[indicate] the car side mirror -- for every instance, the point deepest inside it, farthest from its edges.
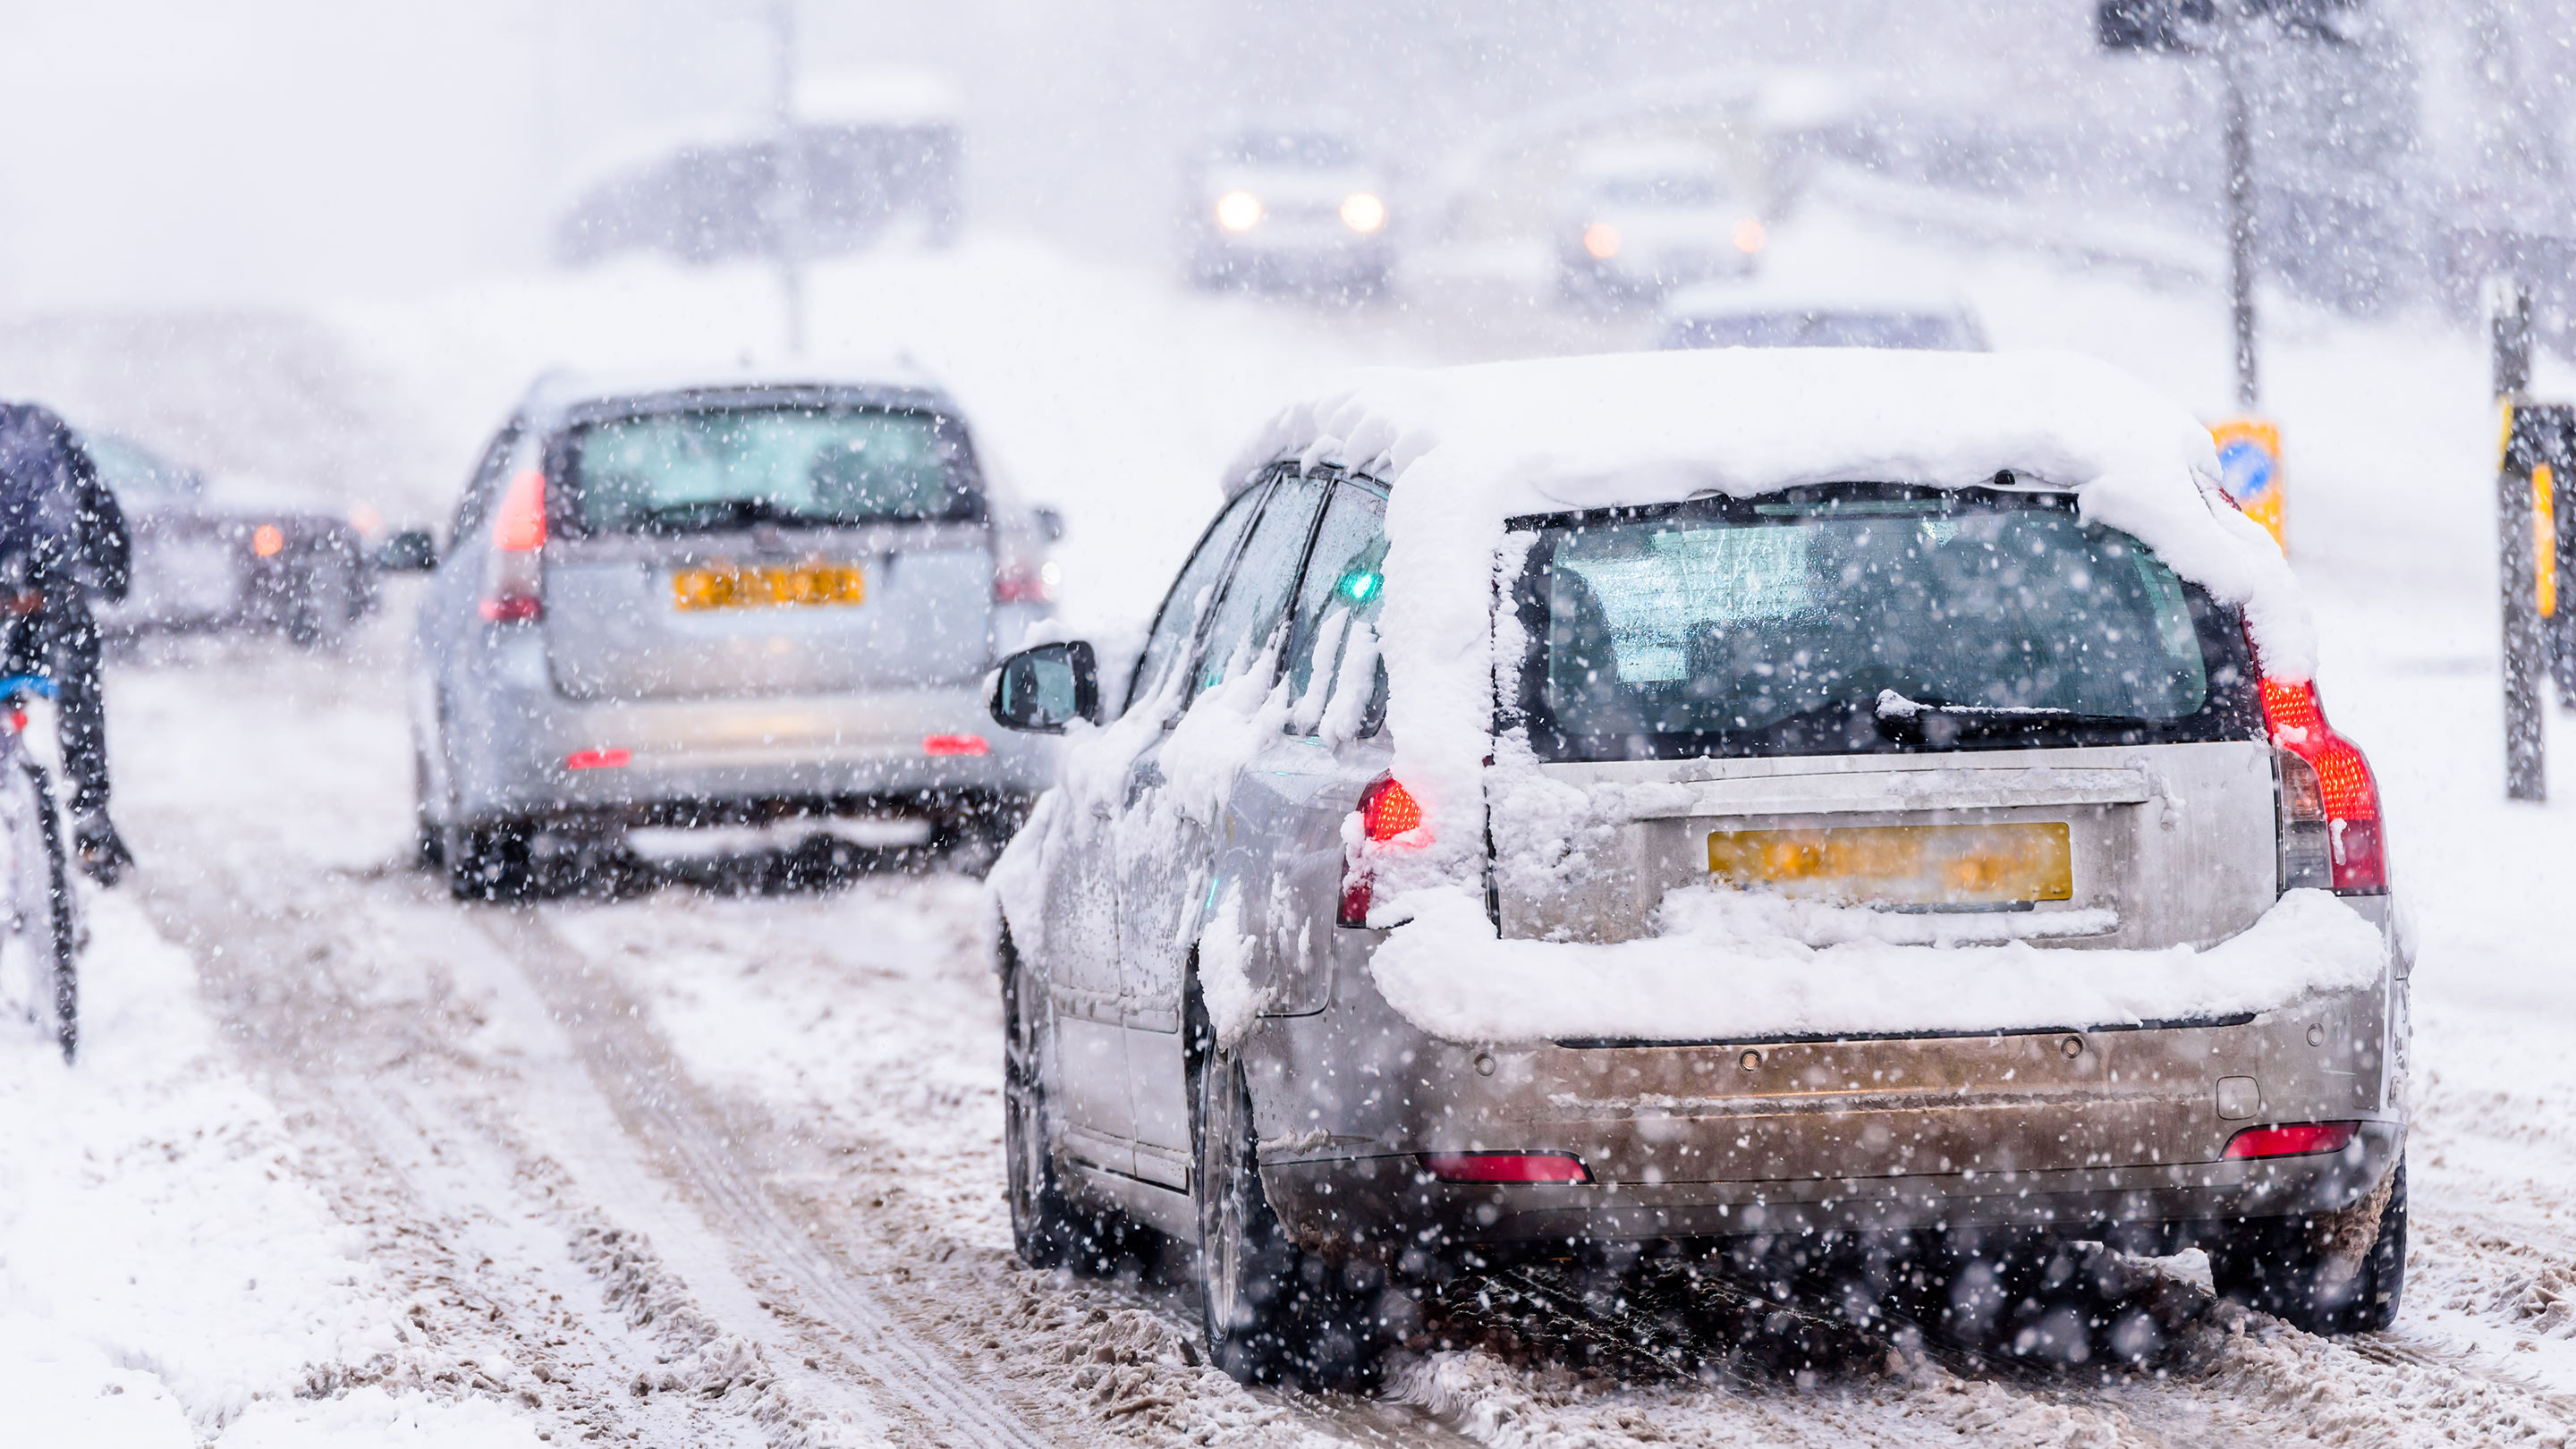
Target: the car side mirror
(1042, 690)
(1050, 524)
(407, 551)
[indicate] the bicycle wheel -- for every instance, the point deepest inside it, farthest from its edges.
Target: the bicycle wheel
(60, 936)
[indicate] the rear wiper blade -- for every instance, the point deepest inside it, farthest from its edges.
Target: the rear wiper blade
(1892, 705)
(738, 512)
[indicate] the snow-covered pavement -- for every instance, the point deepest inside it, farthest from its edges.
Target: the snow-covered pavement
(346, 1162)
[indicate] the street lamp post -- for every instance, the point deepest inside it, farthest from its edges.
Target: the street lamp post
(787, 172)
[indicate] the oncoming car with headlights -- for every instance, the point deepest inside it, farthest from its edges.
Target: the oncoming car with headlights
(1794, 806)
(1294, 207)
(705, 613)
(1637, 221)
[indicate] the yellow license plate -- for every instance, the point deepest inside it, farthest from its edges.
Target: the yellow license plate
(1903, 864)
(727, 586)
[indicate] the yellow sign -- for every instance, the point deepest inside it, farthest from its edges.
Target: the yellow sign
(2544, 538)
(2249, 469)
(729, 586)
(1903, 864)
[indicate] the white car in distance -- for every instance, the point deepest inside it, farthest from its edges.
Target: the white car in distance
(1288, 208)
(1638, 221)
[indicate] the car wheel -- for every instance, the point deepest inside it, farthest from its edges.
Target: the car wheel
(2316, 1273)
(1274, 1313)
(428, 841)
(1047, 1230)
(487, 862)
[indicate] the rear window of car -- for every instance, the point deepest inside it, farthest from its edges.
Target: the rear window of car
(694, 470)
(1864, 619)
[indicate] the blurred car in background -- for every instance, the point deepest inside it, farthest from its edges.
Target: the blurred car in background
(1637, 221)
(234, 556)
(1292, 207)
(746, 617)
(1720, 315)
(869, 153)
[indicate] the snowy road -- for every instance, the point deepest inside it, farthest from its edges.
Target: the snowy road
(690, 1169)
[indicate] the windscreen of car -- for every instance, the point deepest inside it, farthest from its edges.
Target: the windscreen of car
(1912, 331)
(1864, 619)
(685, 471)
(1307, 150)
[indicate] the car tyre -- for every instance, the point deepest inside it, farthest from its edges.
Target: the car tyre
(487, 862)
(2287, 1267)
(429, 843)
(1047, 1230)
(1273, 1312)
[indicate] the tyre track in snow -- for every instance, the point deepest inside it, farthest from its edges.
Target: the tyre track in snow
(943, 1402)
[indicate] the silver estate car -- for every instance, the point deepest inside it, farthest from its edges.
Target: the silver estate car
(2079, 734)
(759, 604)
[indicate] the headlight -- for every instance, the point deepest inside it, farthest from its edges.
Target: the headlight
(268, 540)
(1238, 211)
(1601, 239)
(1751, 235)
(1362, 212)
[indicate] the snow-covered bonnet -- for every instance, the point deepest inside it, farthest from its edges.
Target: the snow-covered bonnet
(1466, 449)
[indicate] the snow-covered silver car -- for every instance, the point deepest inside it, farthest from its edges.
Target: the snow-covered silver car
(763, 603)
(1775, 804)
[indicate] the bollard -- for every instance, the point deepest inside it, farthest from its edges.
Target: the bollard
(2536, 456)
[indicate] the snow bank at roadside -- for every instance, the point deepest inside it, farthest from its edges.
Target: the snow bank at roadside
(166, 1277)
(1469, 448)
(1713, 979)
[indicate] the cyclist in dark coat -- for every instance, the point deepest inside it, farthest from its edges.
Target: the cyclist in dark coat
(61, 536)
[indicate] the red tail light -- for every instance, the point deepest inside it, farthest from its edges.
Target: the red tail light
(1505, 1167)
(2330, 825)
(598, 759)
(2297, 1139)
(1019, 581)
(1387, 810)
(955, 745)
(514, 592)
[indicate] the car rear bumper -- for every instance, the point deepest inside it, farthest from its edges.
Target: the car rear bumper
(927, 751)
(1393, 1202)
(2081, 1131)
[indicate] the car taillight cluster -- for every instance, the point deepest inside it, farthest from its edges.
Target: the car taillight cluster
(514, 583)
(1387, 810)
(1024, 581)
(2329, 805)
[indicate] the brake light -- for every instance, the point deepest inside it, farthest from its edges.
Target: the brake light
(955, 745)
(1018, 581)
(1387, 810)
(2329, 804)
(1505, 1167)
(515, 579)
(2297, 1139)
(598, 759)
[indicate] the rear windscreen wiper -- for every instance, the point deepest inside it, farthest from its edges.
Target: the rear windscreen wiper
(1892, 705)
(726, 513)
(1900, 718)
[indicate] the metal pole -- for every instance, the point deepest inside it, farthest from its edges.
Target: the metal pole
(787, 170)
(2526, 447)
(2240, 204)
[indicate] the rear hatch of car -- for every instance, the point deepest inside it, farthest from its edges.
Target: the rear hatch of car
(1911, 715)
(764, 543)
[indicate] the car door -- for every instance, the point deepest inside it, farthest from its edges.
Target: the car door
(1075, 941)
(1176, 796)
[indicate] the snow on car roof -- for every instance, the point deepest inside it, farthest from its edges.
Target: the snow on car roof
(1467, 449)
(555, 393)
